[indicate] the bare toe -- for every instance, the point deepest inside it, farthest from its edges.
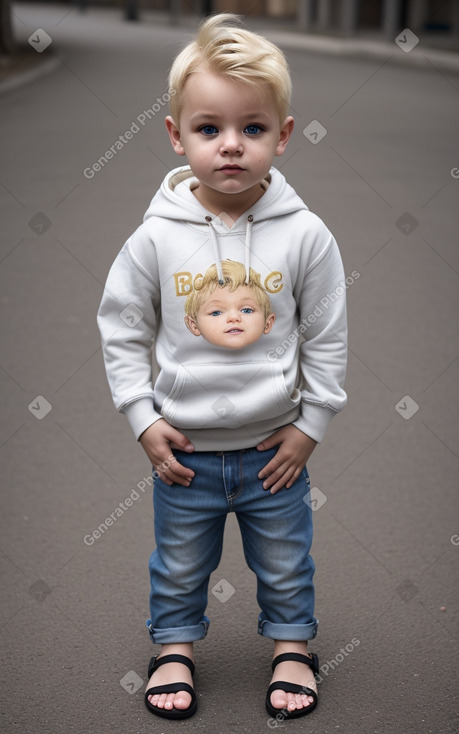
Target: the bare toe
(279, 699)
(182, 700)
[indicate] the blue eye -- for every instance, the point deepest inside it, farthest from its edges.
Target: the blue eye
(208, 130)
(247, 309)
(216, 313)
(253, 129)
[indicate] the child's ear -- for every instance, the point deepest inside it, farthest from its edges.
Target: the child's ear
(174, 135)
(285, 134)
(192, 326)
(269, 323)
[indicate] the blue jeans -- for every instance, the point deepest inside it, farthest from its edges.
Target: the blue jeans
(276, 531)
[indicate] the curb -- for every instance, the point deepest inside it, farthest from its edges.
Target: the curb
(31, 75)
(360, 48)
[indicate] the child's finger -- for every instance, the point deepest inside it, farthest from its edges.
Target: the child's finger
(178, 440)
(267, 469)
(269, 442)
(272, 466)
(285, 480)
(173, 471)
(172, 478)
(177, 479)
(294, 477)
(281, 471)
(179, 472)
(274, 472)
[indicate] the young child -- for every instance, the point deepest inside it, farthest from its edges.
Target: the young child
(231, 313)
(240, 425)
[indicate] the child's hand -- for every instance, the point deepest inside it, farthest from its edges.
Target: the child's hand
(295, 448)
(158, 441)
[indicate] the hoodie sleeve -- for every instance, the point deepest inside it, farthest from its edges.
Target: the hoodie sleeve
(127, 321)
(323, 326)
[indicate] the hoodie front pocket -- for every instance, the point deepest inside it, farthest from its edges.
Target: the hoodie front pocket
(220, 395)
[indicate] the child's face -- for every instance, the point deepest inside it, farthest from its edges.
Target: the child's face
(231, 319)
(230, 133)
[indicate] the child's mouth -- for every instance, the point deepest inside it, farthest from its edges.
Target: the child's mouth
(230, 169)
(234, 331)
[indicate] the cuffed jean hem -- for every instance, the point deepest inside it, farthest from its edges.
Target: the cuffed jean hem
(294, 632)
(170, 635)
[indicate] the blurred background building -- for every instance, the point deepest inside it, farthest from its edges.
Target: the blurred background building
(337, 17)
(437, 21)
(384, 18)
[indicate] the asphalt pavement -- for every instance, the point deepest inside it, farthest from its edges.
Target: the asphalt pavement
(374, 154)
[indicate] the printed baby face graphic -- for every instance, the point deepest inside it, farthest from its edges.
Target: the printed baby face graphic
(233, 314)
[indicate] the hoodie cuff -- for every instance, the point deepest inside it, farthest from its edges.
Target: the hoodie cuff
(141, 415)
(314, 420)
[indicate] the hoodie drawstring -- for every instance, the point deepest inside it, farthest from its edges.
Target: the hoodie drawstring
(218, 262)
(248, 234)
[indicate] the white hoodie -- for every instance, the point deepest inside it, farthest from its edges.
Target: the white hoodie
(221, 398)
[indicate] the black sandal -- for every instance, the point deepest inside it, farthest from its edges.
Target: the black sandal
(173, 713)
(313, 663)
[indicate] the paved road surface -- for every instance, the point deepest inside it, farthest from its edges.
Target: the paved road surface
(386, 523)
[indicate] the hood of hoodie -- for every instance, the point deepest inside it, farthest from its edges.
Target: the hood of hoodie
(175, 199)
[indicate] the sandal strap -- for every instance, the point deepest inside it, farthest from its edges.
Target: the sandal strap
(312, 662)
(156, 662)
(284, 685)
(170, 688)
(172, 713)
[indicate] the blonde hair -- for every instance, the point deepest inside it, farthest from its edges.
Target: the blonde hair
(224, 46)
(233, 277)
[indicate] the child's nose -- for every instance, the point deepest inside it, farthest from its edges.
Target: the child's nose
(231, 144)
(234, 316)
